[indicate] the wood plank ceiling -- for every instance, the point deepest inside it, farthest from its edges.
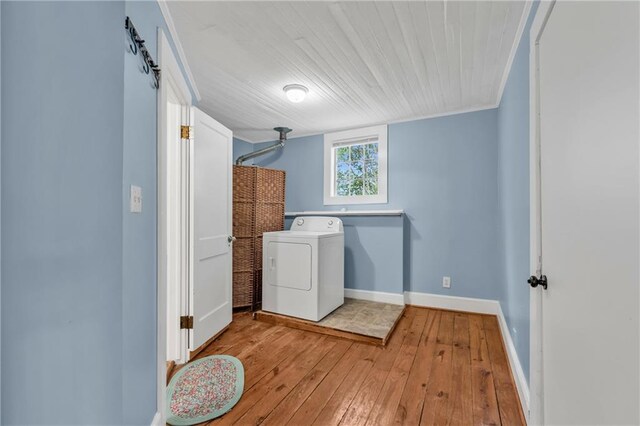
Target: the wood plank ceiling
(364, 62)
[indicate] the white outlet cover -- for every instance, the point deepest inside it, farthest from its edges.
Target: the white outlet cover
(446, 282)
(135, 199)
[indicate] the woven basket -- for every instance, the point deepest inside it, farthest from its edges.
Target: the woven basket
(258, 207)
(258, 253)
(244, 183)
(243, 218)
(270, 186)
(244, 254)
(269, 217)
(243, 285)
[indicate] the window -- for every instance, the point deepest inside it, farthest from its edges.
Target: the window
(355, 166)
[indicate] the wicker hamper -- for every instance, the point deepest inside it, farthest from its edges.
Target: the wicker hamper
(258, 207)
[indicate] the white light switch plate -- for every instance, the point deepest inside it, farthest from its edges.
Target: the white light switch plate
(135, 199)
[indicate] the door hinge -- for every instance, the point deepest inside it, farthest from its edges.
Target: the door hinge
(185, 132)
(186, 322)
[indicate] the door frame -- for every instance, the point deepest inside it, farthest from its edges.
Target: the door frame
(536, 385)
(171, 74)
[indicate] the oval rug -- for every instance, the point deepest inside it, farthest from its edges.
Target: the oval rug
(204, 389)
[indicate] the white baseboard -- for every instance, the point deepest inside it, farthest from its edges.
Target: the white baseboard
(375, 296)
(514, 363)
(465, 304)
(157, 419)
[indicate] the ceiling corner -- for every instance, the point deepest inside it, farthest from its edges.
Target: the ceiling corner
(514, 49)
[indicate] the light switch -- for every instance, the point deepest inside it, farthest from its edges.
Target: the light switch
(135, 199)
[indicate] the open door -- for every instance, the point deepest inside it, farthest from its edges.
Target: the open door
(210, 228)
(585, 312)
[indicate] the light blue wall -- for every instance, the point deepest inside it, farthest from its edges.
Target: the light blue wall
(0, 215)
(241, 147)
(139, 295)
(513, 183)
(78, 270)
(139, 230)
(443, 173)
(62, 97)
(369, 240)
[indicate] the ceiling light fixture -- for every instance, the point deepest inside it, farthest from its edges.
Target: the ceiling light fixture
(295, 92)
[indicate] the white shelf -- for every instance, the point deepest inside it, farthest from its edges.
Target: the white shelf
(347, 213)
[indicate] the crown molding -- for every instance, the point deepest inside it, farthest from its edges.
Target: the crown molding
(164, 8)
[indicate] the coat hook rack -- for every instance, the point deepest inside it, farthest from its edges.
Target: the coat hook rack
(137, 45)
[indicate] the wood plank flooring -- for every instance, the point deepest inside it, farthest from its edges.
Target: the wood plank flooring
(439, 367)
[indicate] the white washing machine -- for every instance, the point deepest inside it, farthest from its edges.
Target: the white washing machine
(303, 268)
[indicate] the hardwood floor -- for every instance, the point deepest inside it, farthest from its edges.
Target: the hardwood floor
(439, 367)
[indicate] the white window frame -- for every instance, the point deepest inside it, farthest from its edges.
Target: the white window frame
(355, 135)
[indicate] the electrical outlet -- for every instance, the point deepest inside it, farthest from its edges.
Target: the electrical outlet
(135, 199)
(446, 282)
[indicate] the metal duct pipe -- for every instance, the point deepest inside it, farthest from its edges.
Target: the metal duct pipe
(280, 144)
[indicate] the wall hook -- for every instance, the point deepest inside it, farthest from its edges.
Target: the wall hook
(132, 35)
(137, 45)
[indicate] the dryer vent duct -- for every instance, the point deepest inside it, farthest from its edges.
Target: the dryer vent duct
(282, 131)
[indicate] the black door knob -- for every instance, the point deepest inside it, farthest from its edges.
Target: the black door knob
(535, 281)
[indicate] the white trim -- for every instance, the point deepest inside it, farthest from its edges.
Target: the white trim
(454, 303)
(514, 364)
(171, 75)
(157, 420)
(172, 181)
(380, 133)
(514, 49)
(375, 296)
(536, 406)
(402, 120)
(168, 19)
(346, 213)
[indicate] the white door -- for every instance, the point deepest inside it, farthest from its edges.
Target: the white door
(210, 227)
(588, 99)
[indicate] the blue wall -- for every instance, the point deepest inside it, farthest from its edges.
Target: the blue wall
(513, 183)
(139, 230)
(241, 147)
(139, 266)
(78, 270)
(62, 97)
(0, 218)
(443, 173)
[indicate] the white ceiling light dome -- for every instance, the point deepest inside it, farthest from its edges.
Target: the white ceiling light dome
(295, 92)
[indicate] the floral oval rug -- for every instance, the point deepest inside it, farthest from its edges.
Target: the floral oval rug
(204, 389)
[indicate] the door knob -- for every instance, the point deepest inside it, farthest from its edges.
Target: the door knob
(231, 239)
(535, 281)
